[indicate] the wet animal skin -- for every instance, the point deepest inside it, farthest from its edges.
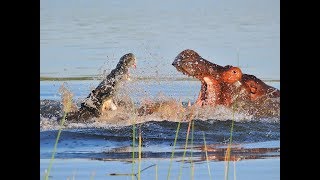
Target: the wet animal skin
(101, 98)
(257, 89)
(222, 85)
(216, 80)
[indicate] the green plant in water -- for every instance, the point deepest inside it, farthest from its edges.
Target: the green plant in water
(191, 153)
(206, 150)
(139, 156)
(133, 146)
(174, 145)
(67, 102)
(185, 149)
(228, 152)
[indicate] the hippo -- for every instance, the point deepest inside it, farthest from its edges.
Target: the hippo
(228, 86)
(216, 81)
(101, 98)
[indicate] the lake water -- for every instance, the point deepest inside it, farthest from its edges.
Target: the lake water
(87, 38)
(87, 150)
(84, 37)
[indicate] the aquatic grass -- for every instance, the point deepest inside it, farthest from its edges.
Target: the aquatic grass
(66, 102)
(191, 118)
(55, 147)
(226, 160)
(139, 156)
(190, 126)
(185, 149)
(138, 174)
(173, 148)
(191, 151)
(133, 145)
(228, 151)
(133, 150)
(206, 152)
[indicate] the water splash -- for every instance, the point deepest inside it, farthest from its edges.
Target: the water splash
(135, 102)
(66, 98)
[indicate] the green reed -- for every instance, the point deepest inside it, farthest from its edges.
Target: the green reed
(191, 153)
(133, 146)
(139, 156)
(228, 151)
(55, 147)
(67, 101)
(174, 145)
(185, 149)
(206, 150)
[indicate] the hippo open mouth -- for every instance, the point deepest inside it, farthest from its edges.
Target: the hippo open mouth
(213, 77)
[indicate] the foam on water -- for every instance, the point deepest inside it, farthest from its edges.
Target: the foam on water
(156, 117)
(143, 101)
(129, 111)
(120, 119)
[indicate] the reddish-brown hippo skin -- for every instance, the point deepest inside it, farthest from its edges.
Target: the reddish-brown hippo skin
(212, 76)
(228, 86)
(231, 74)
(222, 79)
(257, 89)
(191, 63)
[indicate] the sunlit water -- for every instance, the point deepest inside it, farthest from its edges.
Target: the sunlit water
(110, 141)
(77, 37)
(86, 38)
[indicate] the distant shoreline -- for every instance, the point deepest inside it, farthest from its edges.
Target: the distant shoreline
(94, 78)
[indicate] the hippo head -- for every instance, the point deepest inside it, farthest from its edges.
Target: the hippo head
(257, 88)
(213, 77)
(191, 63)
